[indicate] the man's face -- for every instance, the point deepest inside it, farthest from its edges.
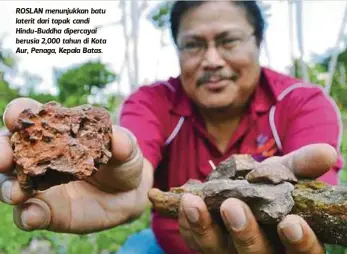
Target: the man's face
(218, 55)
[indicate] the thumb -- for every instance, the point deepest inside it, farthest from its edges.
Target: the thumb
(124, 171)
(207, 235)
(244, 229)
(32, 215)
(15, 108)
(298, 237)
(311, 160)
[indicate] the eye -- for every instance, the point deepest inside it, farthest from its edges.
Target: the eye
(192, 46)
(230, 42)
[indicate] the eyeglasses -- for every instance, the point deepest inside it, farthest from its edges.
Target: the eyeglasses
(226, 46)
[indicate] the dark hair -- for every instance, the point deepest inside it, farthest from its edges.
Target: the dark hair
(254, 16)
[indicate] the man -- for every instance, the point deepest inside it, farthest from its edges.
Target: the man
(222, 103)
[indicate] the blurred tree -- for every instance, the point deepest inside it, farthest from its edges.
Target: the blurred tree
(338, 88)
(333, 63)
(319, 74)
(76, 84)
(159, 15)
(131, 15)
(7, 60)
(82, 84)
(7, 93)
(86, 83)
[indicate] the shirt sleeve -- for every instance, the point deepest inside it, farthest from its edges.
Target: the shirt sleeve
(142, 114)
(314, 118)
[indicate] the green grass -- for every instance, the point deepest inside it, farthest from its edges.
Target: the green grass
(343, 173)
(13, 240)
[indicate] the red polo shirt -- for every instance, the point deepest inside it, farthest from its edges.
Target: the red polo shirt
(284, 115)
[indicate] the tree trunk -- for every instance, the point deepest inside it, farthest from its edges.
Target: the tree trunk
(127, 41)
(299, 16)
(135, 17)
(333, 61)
(291, 37)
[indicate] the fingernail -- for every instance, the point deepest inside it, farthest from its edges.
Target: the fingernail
(34, 216)
(235, 217)
(4, 116)
(24, 218)
(5, 112)
(129, 134)
(292, 231)
(192, 214)
(6, 191)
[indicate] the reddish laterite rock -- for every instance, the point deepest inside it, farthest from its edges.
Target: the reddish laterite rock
(56, 145)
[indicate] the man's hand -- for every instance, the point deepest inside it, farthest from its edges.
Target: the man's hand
(109, 198)
(244, 235)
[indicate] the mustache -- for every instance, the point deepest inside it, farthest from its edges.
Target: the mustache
(208, 75)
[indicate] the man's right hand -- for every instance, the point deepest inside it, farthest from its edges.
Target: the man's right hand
(113, 196)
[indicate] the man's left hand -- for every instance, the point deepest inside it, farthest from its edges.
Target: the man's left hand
(245, 236)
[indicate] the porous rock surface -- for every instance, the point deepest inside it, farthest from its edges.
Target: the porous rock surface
(56, 145)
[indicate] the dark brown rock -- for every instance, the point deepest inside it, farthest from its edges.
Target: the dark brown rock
(56, 145)
(271, 191)
(271, 173)
(324, 207)
(236, 166)
(268, 202)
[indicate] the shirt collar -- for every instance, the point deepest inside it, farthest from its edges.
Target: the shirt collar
(265, 94)
(278, 82)
(182, 105)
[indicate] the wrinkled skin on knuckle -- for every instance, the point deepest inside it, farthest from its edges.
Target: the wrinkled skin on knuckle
(134, 179)
(250, 242)
(131, 172)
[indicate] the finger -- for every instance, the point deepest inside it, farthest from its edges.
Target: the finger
(6, 155)
(312, 160)
(123, 145)
(205, 232)
(15, 107)
(76, 207)
(185, 230)
(32, 215)
(10, 191)
(298, 237)
(243, 227)
(124, 171)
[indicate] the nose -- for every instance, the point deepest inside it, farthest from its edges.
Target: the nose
(212, 59)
